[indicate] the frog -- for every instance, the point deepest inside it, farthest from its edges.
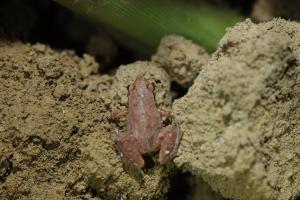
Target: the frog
(145, 133)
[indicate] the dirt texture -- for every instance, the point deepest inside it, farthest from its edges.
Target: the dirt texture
(56, 131)
(181, 58)
(44, 111)
(240, 119)
(265, 10)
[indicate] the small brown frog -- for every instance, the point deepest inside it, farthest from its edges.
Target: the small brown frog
(145, 132)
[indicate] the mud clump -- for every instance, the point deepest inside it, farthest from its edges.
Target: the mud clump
(45, 108)
(240, 118)
(56, 130)
(181, 58)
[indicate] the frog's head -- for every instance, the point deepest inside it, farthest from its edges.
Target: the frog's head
(141, 85)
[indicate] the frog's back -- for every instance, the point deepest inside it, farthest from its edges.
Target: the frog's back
(144, 120)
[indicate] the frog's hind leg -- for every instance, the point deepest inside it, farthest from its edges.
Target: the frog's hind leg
(168, 140)
(130, 151)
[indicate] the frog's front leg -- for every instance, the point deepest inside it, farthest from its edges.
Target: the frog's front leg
(164, 112)
(130, 151)
(168, 141)
(119, 114)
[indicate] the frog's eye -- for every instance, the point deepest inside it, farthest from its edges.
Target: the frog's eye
(150, 86)
(131, 87)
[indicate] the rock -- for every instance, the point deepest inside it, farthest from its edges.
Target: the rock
(240, 119)
(181, 58)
